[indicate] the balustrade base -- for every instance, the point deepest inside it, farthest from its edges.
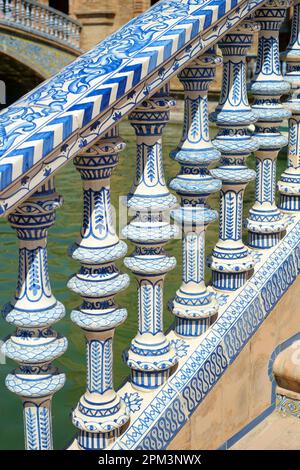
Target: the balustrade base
(96, 441)
(289, 203)
(264, 240)
(194, 313)
(228, 281)
(189, 328)
(148, 380)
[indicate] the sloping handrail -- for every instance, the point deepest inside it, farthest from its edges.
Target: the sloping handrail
(36, 18)
(79, 104)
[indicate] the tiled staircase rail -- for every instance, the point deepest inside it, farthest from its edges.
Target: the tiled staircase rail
(37, 18)
(76, 114)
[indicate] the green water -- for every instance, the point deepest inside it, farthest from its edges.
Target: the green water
(62, 267)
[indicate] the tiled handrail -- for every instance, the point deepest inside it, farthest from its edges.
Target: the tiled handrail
(75, 114)
(97, 90)
(40, 19)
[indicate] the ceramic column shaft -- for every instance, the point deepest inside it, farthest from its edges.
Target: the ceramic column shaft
(194, 306)
(289, 184)
(33, 311)
(150, 356)
(231, 260)
(266, 223)
(100, 413)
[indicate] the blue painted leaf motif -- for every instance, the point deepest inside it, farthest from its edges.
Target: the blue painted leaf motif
(267, 180)
(268, 55)
(205, 120)
(146, 307)
(33, 265)
(225, 87)
(191, 264)
(45, 271)
(31, 431)
(158, 308)
(99, 210)
(87, 212)
(180, 346)
(21, 272)
(95, 125)
(108, 359)
(64, 148)
(229, 218)
(237, 84)
(47, 172)
(151, 163)
(3, 208)
(83, 143)
(139, 163)
(24, 180)
(95, 367)
(293, 140)
(195, 124)
(132, 401)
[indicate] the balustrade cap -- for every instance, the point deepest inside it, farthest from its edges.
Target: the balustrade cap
(61, 116)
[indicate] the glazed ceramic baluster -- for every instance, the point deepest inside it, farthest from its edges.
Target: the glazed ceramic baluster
(100, 414)
(33, 311)
(231, 260)
(289, 184)
(194, 306)
(266, 224)
(150, 356)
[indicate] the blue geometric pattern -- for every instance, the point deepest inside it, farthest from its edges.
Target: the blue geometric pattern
(112, 78)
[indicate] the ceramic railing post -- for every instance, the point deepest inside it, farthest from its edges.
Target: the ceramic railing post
(266, 223)
(33, 311)
(289, 184)
(231, 260)
(150, 356)
(194, 306)
(100, 414)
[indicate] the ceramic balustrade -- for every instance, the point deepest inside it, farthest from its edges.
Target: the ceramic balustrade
(231, 261)
(33, 311)
(151, 355)
(266, 224)
(195, 307)
(99, 414)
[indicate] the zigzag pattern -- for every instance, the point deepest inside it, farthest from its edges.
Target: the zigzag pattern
(45, 118)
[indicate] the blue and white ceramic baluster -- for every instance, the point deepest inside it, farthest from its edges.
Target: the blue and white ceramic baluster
(100, 413)
(266, 223)
(231, 260)
(195, 307)
(150, 356)
(33, 311)
(289, 184)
